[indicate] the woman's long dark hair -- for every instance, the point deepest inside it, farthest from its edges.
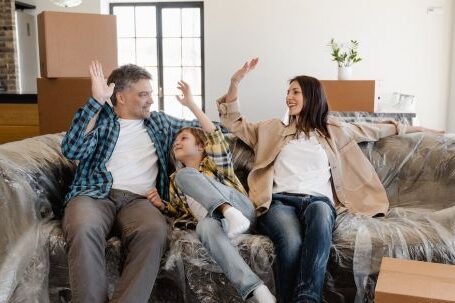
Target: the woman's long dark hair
(315, 109)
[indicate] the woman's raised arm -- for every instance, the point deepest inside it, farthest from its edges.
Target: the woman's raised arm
(229, 110)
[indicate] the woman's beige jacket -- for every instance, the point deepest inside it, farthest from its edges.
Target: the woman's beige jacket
(355, 184)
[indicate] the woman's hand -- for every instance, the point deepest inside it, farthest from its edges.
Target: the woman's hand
(246, 68)
(432, 131)
(187, 99)
(101, 92)
(155, 198)
(420, 129)
(232, 92)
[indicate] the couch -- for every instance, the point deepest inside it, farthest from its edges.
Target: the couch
(417, 170)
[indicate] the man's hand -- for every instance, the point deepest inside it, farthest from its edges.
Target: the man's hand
(187, 99)
(246, 68)
(101, 92)
(155, 198)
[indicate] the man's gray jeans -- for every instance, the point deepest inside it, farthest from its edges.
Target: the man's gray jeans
(86, 224)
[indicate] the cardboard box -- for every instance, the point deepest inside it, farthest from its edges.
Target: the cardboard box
(350, 95)
(68, 42)
(58, 101)
(405, 281)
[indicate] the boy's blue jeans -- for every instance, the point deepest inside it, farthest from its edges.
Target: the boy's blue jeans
(211, 194)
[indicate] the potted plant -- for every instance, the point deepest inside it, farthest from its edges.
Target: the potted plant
(345, 56)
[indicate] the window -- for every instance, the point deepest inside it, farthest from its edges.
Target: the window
(166, 39)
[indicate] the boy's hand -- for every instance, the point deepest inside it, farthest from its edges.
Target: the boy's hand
(187, 99)
(101, 92)
(155, 198)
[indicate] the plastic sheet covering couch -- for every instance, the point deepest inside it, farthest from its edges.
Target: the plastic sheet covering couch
(418, 171)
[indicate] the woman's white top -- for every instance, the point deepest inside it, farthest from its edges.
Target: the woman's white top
(302, 167)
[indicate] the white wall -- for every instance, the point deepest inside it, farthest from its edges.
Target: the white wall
(87, 6)
(400, 43)
(451, 105)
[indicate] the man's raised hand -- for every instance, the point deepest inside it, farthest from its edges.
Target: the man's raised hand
(101, 92)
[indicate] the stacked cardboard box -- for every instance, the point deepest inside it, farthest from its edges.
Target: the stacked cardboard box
(68, 42)
(351, 95)
(406, 281)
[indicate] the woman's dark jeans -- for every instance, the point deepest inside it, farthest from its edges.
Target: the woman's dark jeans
(300, 227)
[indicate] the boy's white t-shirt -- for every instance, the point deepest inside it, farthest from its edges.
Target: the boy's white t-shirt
(134, 162)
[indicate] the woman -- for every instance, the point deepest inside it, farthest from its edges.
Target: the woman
(305, 172)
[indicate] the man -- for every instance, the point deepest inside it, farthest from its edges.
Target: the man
(123, 150)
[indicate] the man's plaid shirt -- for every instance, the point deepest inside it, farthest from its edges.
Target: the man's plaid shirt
(218, 165)
(94, 149)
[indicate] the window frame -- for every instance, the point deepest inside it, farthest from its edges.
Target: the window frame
(159, 6)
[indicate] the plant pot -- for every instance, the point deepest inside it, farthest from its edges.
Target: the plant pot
(344, 73)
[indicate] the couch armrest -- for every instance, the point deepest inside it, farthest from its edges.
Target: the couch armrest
(417, 170)
(34, 176)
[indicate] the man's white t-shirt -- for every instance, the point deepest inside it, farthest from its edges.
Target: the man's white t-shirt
(134, 162)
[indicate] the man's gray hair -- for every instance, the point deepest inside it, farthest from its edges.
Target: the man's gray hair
(124, 76)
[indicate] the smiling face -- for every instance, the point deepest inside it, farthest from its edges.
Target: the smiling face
(295, 99)
(187, 147)
(307, 103)
(134, 101)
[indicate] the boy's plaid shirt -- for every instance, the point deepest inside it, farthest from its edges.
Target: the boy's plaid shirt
(94, 149)
(218, 165)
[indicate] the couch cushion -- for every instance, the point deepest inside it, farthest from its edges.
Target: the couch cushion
(186, 270)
